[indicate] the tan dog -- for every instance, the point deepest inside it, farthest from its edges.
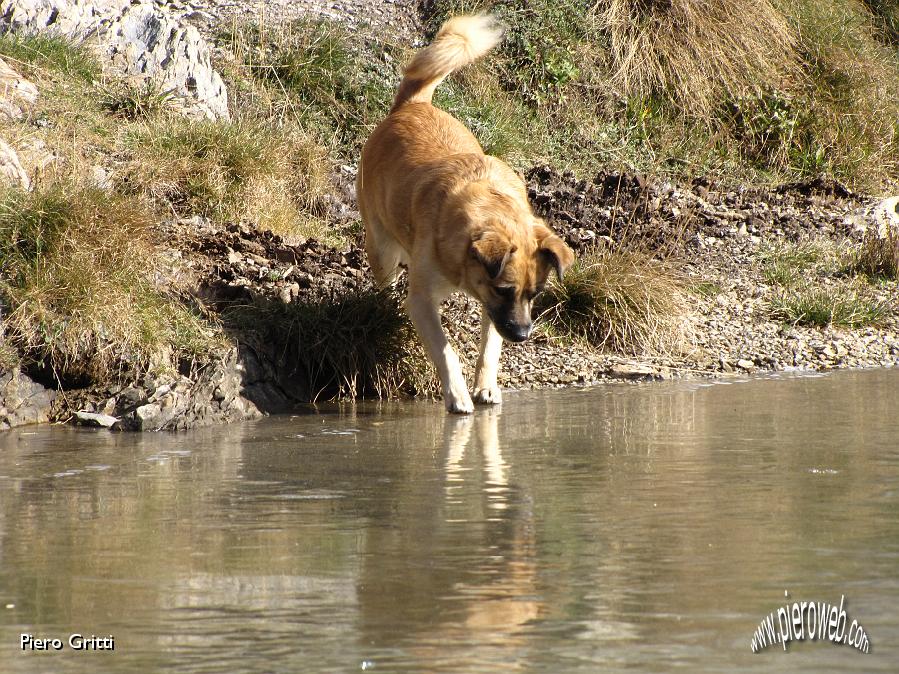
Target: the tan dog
(456, 218)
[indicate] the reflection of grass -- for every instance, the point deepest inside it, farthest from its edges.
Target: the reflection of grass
(344, 345)
(77, 278)
(622, 300)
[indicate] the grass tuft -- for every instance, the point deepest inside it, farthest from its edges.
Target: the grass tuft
(621, 300)
(50, 54)
(821, 306)
(785, 264)
(232, 171)
(78, 283)
(877, 257)
(695, 53)
(764, 90)
(133, 101)
(346, 345)
(331, 81)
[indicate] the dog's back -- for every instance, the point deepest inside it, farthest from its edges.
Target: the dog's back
(413, 137)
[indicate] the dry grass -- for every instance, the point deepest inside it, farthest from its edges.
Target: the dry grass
(248, 170)
(695, 53)
(621, 300)
(757, 90)
(78, 282)
(345, 345)
(877, 257)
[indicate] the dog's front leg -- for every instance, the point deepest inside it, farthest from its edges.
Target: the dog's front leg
(486, 389)
(425, 315)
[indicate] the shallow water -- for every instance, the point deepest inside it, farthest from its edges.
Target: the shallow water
(640, 527)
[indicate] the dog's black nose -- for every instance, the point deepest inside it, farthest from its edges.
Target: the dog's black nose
(516, 332)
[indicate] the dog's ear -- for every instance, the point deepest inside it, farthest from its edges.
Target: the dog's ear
(555, 251)
(493, 251)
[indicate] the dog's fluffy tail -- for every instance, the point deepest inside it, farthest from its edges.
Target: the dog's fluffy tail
(460, 41)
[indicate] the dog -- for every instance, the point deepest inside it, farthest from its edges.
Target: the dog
(458, 219)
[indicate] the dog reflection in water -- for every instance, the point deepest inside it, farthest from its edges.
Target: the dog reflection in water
(473, 455)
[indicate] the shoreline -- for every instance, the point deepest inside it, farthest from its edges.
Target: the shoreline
(768, 278)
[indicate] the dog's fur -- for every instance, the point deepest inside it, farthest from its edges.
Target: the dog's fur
(457, 218)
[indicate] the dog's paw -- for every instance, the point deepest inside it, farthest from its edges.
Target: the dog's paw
(489, 396)
(461, 405)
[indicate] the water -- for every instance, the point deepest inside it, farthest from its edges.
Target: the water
(642, 527)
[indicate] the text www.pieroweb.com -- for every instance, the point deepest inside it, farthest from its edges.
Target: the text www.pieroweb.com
(815, 621)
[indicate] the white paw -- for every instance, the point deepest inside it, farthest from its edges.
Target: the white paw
(459, 405)
(489, 396)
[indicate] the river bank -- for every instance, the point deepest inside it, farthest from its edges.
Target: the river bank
(769, 278)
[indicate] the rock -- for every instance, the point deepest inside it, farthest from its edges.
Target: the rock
(886, 217)
(135, 39)
(148, 417)
(745, 364)
(631, 371)
(96, 420)
(16, 93)
(12, 173)
(22, 401)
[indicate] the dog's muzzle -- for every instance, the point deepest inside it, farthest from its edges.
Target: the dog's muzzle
(515, 332)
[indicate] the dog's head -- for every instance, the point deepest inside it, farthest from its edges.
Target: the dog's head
(509, 265)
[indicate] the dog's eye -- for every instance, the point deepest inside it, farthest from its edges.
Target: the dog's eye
(506, 292)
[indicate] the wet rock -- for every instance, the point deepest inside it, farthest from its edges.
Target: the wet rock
(96, 420)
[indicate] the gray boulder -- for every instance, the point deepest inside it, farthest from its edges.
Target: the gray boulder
(22, 401)
(134, 39)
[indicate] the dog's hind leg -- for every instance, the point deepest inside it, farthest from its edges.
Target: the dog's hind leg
(384, 253)
(423, 308)
(486, 389)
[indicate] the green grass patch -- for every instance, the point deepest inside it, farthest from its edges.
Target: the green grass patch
(133, 101)
(42, 55)
(820, 306)
(706, 288)
(785, 264)
(250, 170)
(759, 90)
(78, 284)
(621, 300)
(332, 81)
